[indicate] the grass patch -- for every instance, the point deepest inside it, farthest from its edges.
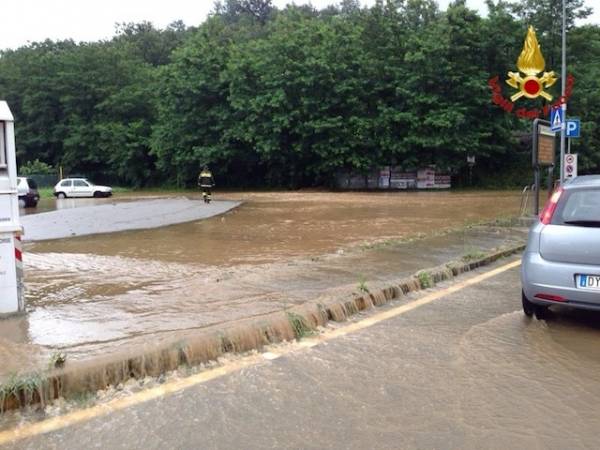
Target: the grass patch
(300, 326)
(21, 388)
(425, 279)
(362, 285)
(57, 360)
(505, 221)
(46, 192)
(122, 190)
(472, 255)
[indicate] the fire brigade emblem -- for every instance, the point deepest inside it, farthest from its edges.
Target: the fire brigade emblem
(531, 63)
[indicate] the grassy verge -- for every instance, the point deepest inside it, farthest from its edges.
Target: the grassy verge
(46, 192)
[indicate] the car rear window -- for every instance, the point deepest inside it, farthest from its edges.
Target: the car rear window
(32, 184)
(579, 207)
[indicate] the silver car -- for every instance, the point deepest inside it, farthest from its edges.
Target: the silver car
(561, 264)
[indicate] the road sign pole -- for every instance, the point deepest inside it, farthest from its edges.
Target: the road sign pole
(536, 168)
(569, 146)
(563, 89)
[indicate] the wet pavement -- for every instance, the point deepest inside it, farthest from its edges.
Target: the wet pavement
(95, 295)
(466, 371)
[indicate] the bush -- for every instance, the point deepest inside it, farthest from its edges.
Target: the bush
(36, 167)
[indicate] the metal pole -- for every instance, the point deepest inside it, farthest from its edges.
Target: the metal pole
(536, 168)
(569, 146)
(563, 89)
(536, 191)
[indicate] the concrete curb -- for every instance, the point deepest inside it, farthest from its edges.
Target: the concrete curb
(340, 311)
(209, 344)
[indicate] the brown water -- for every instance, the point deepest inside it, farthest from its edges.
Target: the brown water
(272, 227)
(92, 295)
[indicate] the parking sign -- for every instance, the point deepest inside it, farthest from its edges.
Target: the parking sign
(573, 128)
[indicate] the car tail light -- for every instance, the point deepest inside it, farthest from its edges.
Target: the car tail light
(550, 208)
(552, 298)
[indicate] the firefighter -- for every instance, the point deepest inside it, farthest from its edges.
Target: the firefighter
(206, 183)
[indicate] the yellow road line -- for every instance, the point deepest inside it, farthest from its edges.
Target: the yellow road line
(75, 417)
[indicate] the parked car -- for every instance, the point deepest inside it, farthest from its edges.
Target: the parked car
(561, 264)
(27, 191)
(80, 187)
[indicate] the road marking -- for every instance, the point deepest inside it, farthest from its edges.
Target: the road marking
(83, 415)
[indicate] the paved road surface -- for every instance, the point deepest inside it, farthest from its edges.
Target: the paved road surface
(112, 217)
(465, 371)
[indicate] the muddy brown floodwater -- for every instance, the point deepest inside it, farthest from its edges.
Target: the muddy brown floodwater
(92, 295)
(272, 227)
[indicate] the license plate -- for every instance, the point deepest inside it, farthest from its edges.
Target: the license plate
(588, 282)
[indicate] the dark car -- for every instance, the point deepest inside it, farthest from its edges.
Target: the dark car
(28, 193)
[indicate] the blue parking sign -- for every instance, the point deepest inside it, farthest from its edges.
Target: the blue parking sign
(573, 128)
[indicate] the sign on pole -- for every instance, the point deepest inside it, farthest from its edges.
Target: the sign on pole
(573, 128)
(546, 141)
(570, 165)
(557, 118)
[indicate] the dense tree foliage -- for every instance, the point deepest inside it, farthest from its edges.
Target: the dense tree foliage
(291, 97)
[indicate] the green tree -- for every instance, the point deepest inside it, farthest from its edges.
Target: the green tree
(36, 167)
(193, 111)
(546, 17)
(293, 97)
(585, 40)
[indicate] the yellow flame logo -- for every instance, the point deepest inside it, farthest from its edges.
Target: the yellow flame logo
(531, 62)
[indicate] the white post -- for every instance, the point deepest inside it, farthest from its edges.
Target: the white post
(11, 265)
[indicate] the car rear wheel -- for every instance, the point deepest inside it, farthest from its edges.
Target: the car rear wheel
(61, 195)
(530, 308)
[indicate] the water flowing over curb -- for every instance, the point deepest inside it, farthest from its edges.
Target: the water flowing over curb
(208, 344)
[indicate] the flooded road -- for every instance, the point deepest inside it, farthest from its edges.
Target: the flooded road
(271, 227)
(465, 371)
(92, 295)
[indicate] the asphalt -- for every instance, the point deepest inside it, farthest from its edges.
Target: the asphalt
(70, 221)
(466, 371)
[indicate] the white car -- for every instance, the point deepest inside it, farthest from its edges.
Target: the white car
(80, 187)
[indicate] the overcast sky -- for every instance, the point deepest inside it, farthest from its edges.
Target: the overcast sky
(23, 21)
